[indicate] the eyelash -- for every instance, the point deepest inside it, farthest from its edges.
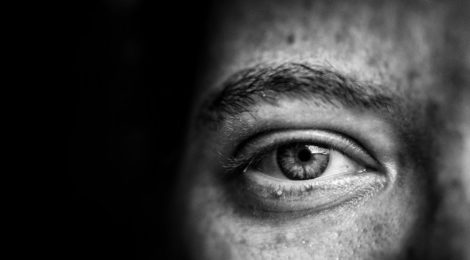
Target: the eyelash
(238, 164)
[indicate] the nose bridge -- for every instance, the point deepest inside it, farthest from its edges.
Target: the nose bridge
(459, 199)
(465, 172)
(451, 225)
(450, 228)
(465, 158)
(456, 205)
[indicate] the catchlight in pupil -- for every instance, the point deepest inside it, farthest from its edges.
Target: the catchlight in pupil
(300, 161)
(304, 155)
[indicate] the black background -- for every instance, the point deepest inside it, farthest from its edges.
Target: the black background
(130, 68)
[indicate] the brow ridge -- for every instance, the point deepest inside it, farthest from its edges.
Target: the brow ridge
(268, 83)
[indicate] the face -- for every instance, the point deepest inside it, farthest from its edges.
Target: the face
(331, 131)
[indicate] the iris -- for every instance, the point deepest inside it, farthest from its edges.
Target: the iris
(302, 161)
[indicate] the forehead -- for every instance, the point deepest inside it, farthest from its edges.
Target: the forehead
(389, 42)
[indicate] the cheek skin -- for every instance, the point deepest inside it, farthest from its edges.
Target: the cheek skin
(375, 229)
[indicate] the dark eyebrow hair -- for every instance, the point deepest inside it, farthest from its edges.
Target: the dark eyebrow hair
(296, 80)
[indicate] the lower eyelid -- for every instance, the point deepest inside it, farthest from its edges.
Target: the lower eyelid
(314, 195)
(264, 193)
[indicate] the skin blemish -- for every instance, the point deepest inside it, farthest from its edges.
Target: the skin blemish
(280, 239)
(278, 193)
(290, 39)
(373, 60)
(378, 228)
(341, 36)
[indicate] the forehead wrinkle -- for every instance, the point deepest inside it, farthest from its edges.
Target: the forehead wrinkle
(268, 83)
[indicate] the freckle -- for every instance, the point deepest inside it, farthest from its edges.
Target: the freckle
(290, 39)
(378, 228)
(373, 61)
(412, 76)
(341, 36)
(280, 239)
(375, 242)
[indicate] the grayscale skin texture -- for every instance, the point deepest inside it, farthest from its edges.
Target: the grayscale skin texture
(416, 49)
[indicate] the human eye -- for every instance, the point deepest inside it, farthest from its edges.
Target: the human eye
(303, 170)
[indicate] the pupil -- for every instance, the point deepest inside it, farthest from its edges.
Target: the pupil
(304, 155)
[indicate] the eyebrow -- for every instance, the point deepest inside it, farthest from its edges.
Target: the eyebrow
(265, 83)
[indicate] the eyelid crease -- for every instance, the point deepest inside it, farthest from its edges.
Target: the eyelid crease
(252, 150)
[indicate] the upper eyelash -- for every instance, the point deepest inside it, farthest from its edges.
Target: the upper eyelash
(233, 165)
(238, 164)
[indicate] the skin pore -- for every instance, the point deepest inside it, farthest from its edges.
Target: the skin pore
(396, 51)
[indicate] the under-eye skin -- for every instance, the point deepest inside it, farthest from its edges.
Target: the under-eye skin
(302, 170)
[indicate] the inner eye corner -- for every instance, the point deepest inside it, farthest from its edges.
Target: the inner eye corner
(377, 167)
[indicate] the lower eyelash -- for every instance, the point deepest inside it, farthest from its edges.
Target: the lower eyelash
(300, 186)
